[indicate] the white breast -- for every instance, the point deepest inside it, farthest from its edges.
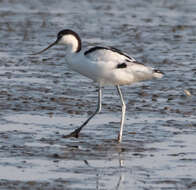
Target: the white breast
(101, 67)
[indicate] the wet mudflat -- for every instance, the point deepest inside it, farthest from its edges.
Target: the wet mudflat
(41, 99)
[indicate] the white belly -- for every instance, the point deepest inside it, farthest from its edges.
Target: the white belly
(106, 73)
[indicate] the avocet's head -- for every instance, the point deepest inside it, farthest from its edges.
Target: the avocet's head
(69, 39)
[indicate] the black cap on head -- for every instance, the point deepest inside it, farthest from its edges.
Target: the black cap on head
(59, 36)
(70, 32)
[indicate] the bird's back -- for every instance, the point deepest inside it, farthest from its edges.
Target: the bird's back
(109, 66)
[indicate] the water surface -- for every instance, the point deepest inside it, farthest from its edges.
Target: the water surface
(41, 99)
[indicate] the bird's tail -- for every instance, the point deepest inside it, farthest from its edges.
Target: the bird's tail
(158, 73)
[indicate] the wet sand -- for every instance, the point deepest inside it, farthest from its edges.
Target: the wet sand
(41, 99)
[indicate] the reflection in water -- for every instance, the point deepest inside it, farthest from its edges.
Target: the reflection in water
(105, 167)
(99, 172)
(119, 181)
(121, 177)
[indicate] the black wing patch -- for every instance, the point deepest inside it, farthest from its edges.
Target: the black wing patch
(106, 48)
(120, 52)
(121, 66)
(93, 49)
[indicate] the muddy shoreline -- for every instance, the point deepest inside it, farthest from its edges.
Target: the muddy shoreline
(41, 99)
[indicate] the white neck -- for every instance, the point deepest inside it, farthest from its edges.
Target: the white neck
(71, 43)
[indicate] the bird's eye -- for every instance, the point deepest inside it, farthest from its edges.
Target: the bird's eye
(60, 35)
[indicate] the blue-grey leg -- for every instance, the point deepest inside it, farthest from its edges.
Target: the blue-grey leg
(123, 114)
(76, 132)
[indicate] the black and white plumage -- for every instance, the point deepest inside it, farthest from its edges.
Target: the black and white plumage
(105, 66)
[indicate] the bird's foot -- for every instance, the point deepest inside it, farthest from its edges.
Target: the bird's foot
(75, 133)
(119, 139)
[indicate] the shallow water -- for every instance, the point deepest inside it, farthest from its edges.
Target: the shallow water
(41, 99)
